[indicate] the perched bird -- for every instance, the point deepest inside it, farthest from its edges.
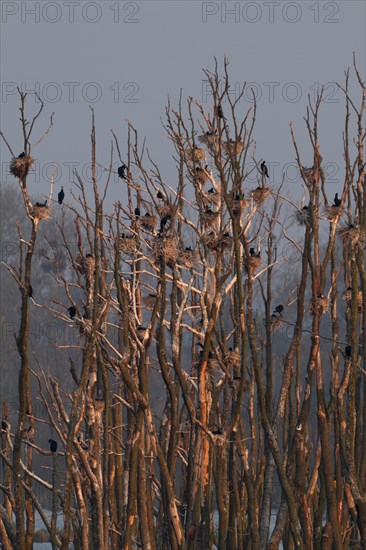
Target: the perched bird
(336, 202)
(121, 171)
(278, 309)
(264, 169)
(236, 377)
(164, 221)
(305, 207)
(160, 195)
(252, 252)
(61, 196)
(298, 425)
(53, 445)
(188, 248)
(212, 191)
(217, 432)
(30, 292)
(348, 352)
(5, 424)
(72, 311)
(88, 255)
(21, 156)
(220, 114)
(137, 212)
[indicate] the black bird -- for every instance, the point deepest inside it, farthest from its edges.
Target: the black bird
(279, 309)
(30, 292)
(121, 171)
(5, 424)
(298, 425)
(212, 191)
(21, 156)
(160, 195)
(220, 114)
(348, 352)
(188, 248)
(137, 212)
(337, 201)
(88, 255)
(305, 207)
(164, 221)
(252, 252)
(53, 445)
(264, 169)
(72, 311)
(236, 377)
(61, 196)
(217, 432)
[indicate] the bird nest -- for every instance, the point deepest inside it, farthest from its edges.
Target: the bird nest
(348, 297)
(195, 154)
(309, 174)
(20, 167)
(213, 197)
(167, 247)
(260, 194)
(84, 264)
(252, 262)
(149, 301)
(128, 244)
(216, 243)
(302, 216)
(233, 147)
(333, 212)
(276, 321)
(84, 327)
(210, 218)
(167, 209)
(190, 258)
(210, 138)
(40, 212)
(354, 235)
(232, 359)
(321, 305)
(200, 176)
(149, 222)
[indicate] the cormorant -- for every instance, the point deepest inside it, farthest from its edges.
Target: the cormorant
(188, 248)
(137, 212)
(5, 424)
(279, 309)
(252, 252)
(30, 292)
(121, 171)
(164, 221)
(72, 311)
(264, 169)
(217, 432)
(61, 196)
(337, 201)
(21, 156)
(53, 445)
(348, 352)
(160, 195)
(220, 114)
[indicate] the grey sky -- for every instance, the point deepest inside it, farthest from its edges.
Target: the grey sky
(164, 50)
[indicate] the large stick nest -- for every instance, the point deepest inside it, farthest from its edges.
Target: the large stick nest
(321, 305)
(190, 258)
(41, 212)
(167, 209)
(215, 242)
(353, 235)
(252, 262)
(233, 147)
(167, 247)
(128, 244)
(210, 138)
(196, 154)
(333, 212)
(303, 216)
(260, 194)
(20, 167)
(209, 218)
(149, 221)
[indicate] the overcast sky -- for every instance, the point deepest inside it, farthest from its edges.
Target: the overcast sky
(126, 58)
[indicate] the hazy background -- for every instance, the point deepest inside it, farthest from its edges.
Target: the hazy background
(126, 58)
